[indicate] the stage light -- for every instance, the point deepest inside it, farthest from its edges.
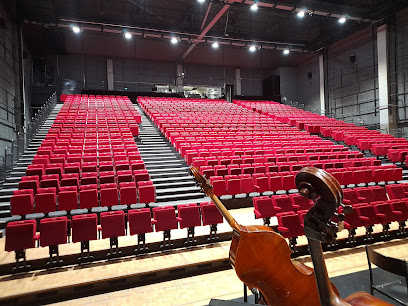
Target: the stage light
(342, 20)
(174, 40)
(301, 14)
(254, 6)
(127, 35)
(215, 45)
(201, 1)
(76, 29)
(252, 48)
(286, 51)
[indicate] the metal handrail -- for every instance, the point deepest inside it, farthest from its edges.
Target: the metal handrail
(24, 136)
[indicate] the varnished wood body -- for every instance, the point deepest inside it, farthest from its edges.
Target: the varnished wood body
(261, 259)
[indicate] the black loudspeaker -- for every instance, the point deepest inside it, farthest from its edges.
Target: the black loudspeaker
(352, 59)
(309, 75)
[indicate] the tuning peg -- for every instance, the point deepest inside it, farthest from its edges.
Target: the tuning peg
(346, 208)
(340, 217)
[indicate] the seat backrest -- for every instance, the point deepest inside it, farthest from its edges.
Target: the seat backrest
(140, 221)
(390, 264)
(53, 231)
(189, 214)
(84, 227)
(210, 214)
(165, 218)
(20, 235)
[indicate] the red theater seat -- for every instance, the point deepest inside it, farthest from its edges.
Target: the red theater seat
(22, 204)
(211, 216)
(21, 235)
(53, 231)
(45, 203)
(140, 223)
(189, 217)
(264, 209)
(165, 220)
(113, 226)
(68, 198)
(84, 229)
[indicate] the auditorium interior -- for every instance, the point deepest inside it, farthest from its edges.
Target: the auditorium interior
(204, 152)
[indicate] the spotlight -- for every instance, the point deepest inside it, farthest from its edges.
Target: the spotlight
(215, 45)
(301, 14)
(127, 35)
(252, 48)
(286, 51)
(342, 20)
(201, 1)
(254, 6)
(76, 29)
(174, 41)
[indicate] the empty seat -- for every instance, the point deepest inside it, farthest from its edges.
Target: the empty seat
(282, 203)
(300, 203)
(112, 227)
(165, 220)
(128, 194)
(22, 204)
(21, 235)
(53, 232)
(140, 223)
(263, 208)
(219, 186)
(247, 184)
(211, 216)
(233, 185)
(289, 226)
(189, 217)
(147, 192)
(368, 218)
(45, 203)
(68, 198)
(109, 195)
(84, 229)
(88, 198)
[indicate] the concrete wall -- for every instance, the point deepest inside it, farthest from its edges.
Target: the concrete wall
(398, 71)
(11, 104)
(352, 87)
(90, 72)
(308, 86)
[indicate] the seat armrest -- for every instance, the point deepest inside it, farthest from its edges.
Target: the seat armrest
(283, 229)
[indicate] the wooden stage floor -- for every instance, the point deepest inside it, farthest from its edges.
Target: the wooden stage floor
(180, 280)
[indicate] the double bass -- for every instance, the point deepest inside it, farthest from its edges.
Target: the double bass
(261, 257)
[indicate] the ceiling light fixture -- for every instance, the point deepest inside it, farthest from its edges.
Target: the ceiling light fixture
(252, 48)
(201, 1)
(301, 14)
(76, 29)
(174, 40)
(342, 20)
(215, 45)
(254, 6)
(127, 35)
(286, 51)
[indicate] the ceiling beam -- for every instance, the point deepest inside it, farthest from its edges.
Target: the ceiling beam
(205, 31)
(292, 7)
(206, 15)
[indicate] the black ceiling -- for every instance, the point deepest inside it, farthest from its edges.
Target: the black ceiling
(238, 22)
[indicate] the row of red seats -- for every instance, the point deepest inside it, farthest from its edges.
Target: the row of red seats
(67, 166)
(370, 206)
(201, 158)
(267, 207)
(224, 166)
(50, 199)
(363, 138)
(233, 184)
(22, 235)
